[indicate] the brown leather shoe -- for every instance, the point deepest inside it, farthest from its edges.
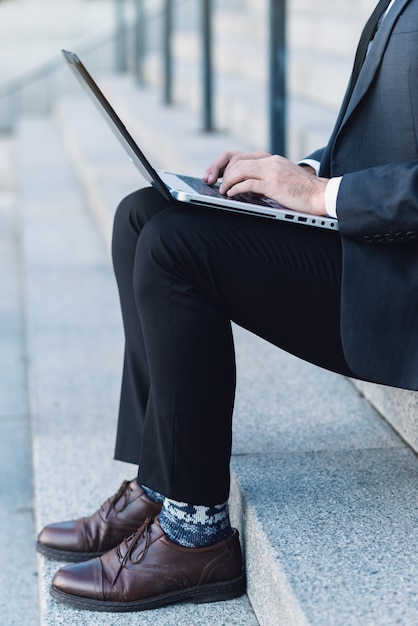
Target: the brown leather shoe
(147, 571)
(92, 536)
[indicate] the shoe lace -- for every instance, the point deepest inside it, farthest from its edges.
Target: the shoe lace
(130, 543)
(111, 502)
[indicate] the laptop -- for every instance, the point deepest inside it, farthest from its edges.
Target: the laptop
(187, 189)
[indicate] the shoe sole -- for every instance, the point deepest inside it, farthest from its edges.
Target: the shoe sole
(200, 594)
(64, 555)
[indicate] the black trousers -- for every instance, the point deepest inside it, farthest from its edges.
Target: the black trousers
(183, 274)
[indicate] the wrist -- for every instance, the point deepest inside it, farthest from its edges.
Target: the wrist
(308, 168)
(313, 164)
(318, 197)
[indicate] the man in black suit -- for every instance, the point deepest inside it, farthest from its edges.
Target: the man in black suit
(184, 275)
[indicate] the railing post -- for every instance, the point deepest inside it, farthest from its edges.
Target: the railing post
(121, 44)
(139, 41)
(168, 56)
(277, 106)
(207, 73)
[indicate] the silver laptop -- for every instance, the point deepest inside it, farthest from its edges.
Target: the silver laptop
(183, 188)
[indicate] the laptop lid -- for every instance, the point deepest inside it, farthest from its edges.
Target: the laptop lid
(185, 188)
(116, 125)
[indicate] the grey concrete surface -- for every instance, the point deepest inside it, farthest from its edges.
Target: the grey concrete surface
(18, 572)
(337, 529)
(398, 405)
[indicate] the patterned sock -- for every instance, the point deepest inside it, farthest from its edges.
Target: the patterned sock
(194, 526)
(152, 495)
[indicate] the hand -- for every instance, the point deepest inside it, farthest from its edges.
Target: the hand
(278, 178)
(226, 160)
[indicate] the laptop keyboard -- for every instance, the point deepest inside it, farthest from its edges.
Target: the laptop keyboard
(200, 187)
(207, 190)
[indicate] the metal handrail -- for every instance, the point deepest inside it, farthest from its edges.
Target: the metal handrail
(277, 68)
(168, 52)
(130, 51)
(207, 66)
(27, 78)
(12, 92)
(277, 82)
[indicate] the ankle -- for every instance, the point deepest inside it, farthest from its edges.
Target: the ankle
(194, 526)
(156, 497)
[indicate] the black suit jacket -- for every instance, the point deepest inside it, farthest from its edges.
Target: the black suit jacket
(375, 147)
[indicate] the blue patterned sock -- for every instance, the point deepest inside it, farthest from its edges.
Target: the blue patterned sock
(152, 495)
(194, 526)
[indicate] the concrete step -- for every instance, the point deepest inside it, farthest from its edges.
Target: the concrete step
(324, 491)
(18, 574)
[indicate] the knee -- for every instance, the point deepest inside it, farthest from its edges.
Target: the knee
(163, 242)
(135, 210)
(167, 233)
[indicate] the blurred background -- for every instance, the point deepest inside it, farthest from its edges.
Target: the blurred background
(271, 72)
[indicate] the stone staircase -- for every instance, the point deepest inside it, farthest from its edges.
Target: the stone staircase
(324, 472)
(324, 491)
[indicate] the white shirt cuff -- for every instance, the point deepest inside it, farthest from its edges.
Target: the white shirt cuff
(312, 163)
(331, 193)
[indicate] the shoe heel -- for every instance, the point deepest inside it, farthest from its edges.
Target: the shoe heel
(222, 591)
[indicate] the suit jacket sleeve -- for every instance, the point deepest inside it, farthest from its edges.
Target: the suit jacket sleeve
(317, 155)
(380, 204)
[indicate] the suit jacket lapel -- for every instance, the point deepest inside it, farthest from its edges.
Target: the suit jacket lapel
(374, 58)
(364, 81)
